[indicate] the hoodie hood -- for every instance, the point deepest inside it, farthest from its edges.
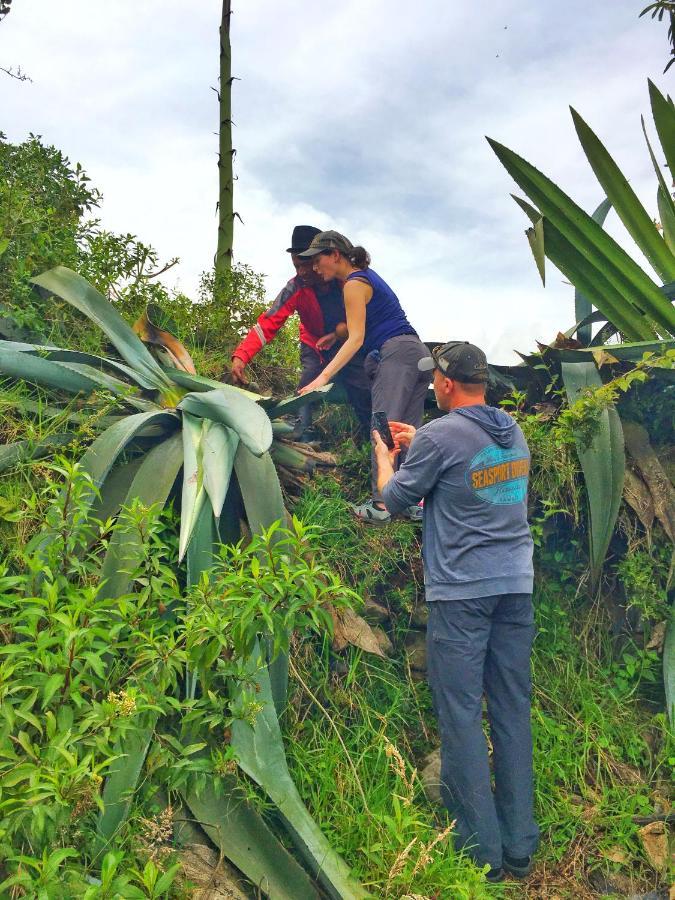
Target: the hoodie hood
(497, 423)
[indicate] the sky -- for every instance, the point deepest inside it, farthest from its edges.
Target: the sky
(367, 116)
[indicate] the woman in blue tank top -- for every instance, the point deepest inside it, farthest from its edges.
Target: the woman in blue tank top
(375, 321)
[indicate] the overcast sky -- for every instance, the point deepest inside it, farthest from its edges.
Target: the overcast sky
(368, 116)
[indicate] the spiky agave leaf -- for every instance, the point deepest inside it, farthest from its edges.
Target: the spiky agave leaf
(77, 291)
(589, 241)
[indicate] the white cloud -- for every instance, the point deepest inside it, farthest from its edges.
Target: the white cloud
(366, 117)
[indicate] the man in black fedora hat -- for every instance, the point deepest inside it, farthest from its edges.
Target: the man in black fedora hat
(320, 306)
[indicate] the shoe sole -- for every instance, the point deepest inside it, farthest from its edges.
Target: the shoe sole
(517, 872)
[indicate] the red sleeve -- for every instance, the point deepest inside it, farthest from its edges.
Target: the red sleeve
(269, 323)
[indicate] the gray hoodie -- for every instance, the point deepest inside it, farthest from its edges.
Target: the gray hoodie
(471, 466)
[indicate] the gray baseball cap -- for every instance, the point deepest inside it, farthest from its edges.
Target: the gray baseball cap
(459, 360)
(328, 240)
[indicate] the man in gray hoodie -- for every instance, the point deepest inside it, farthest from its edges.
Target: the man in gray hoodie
(471, 467)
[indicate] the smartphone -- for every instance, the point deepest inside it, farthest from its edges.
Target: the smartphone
(380, 424)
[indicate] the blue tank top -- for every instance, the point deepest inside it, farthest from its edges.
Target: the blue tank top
(384, 314)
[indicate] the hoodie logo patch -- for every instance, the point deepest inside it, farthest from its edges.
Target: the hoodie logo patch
(499, 475)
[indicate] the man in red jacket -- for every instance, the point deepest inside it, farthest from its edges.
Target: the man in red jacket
(321, 309)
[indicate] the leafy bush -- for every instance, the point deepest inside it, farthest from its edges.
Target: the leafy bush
(81, 672)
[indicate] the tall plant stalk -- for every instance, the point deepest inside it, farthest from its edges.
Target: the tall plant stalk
(225, 151)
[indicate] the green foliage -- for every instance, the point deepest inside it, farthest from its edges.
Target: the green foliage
(43, 199)
(644, 575)
(81, 671)
(267, 587)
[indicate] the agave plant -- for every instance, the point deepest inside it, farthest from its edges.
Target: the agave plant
(630, 302)
(213, 441)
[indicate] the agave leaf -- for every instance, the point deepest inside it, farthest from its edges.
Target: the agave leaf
(583, 306)
(75, 290)
(46, 372)
(107, 505)
(591, 281)
(669, 666)
(22, 451)
(200, 384)
(264, 505)
(260, 753)
(281, 428)
(291, 404)
(241, 835)
(667, 215)
(629, 352)
(535, 236)
(602, 462)
(285, 455)
(123, 777)
(664, 199)
(59, 354)
(151, 333)
(589, 240)
(194, 494)
(151, 485)
(219, 448)
(664, 120)
(230, 408)
(625, 201)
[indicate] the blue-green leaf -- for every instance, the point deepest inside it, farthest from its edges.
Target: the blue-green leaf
(602, 462)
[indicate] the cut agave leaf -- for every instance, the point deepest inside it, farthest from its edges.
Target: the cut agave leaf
(291, 404)
(75, 290)
(602, 462)
(628, 352)
(632, 213)
(241, 835)
(229, 407)
(260, 753)
(150, 331)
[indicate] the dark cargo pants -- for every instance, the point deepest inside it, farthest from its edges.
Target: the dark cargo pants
(352, 377)
(476, 646)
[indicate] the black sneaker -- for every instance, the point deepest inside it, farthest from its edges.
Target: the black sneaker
(520, 867)
(494, 876)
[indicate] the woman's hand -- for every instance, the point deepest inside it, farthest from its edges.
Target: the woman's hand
(402, 433)
(319, 382)
(327, 341)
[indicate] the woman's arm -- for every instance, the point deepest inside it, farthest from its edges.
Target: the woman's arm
(356, 294)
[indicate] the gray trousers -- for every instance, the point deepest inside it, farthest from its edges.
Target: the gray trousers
(398, 388)
(475, 646)
(352, 377)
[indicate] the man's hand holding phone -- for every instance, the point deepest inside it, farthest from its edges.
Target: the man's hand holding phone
(402, 433)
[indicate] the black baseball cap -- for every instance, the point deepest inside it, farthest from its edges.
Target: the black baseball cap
(328, 240)
(459, 360)
(301, 238)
